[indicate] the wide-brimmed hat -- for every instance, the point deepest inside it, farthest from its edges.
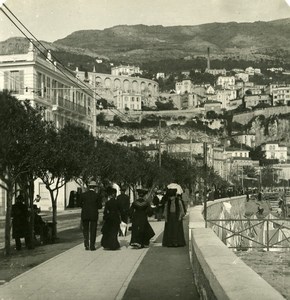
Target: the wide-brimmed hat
(123, 188)
(142, 192)
(111, 191)
(92, 183)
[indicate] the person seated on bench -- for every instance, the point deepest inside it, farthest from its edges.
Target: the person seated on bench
(40, 227)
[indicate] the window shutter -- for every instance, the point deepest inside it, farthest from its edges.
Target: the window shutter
(21, 80)
(6, 75)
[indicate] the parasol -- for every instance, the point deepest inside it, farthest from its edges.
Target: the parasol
(175, 186)
(117, 188)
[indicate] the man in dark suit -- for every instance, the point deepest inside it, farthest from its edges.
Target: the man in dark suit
(90, 203)
(124, 203)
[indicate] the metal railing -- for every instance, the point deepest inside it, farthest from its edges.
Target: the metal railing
(69, 105)
(244, 234)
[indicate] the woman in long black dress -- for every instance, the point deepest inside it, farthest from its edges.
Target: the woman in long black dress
(174, 211)
(112, 220)
(142, 231)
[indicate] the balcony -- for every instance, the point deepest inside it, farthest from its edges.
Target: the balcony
(65, 105)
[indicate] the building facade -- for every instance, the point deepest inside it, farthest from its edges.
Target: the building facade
(274, 151)
(106, 85)
(40, 80)
(123, 70)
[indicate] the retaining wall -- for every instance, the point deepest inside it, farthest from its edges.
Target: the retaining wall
(218, 272)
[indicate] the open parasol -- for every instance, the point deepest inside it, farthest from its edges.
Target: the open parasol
(175, 186)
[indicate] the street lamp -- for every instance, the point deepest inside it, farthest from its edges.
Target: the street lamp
(199, 164)
(202, 162)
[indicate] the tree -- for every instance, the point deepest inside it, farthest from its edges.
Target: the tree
(61, 158)
(18, 122)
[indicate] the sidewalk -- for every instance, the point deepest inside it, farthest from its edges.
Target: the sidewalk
(104, 275)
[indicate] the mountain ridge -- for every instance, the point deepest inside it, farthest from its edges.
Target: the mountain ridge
(139, 43)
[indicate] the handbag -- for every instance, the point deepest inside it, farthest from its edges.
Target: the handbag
(123, 227)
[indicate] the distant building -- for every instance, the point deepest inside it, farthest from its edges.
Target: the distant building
(254, 100)
(225, 96)
(127, 100)
(184, 86)
(160, 75)
(216, 72)
(274, 151)
(188, 149)
(185, 73)
(275, 70)
(215, 106)
(225, 81)
(123, 70)
(253, 71)
(243, 76)
(280, 93)
(245, 139)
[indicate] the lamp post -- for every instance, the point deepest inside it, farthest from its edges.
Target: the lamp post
(199, 164)
(202, 163)
(205, 183)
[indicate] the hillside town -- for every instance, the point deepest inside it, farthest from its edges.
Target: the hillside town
(127, 97)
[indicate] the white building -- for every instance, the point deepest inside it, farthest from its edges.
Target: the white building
(226, 81)
(123, 70)
(225, 96)
(184, 86)
(280, 93)
(65, 99)
(127, 100)
(160, 75)
(243, 76)
(274, 151)
(246, 139)
(216, 72)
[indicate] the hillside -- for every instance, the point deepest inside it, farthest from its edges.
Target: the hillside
(142, 43)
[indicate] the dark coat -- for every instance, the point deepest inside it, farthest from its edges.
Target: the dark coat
(90, 202)
(110, 229)
(124, 203)
(173, 235)
(20, 225)
(142, 231)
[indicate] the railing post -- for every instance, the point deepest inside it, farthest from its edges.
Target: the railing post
(267, 233)
(205, 183)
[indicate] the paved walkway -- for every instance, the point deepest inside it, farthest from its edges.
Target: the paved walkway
(80, 274)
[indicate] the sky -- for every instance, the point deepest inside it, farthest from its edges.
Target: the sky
(55, 19)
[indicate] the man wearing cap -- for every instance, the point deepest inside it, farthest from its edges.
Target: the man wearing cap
(124, 203)
(90, 203)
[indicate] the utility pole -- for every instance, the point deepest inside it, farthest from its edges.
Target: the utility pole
(190, 149)
(205, 183)
(159, 143)
(94, 114)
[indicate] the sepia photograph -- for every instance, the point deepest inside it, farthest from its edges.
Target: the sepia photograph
(144, 149)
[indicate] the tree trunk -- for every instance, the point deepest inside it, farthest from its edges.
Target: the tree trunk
(54, 215)
(54, 218)
(9, 198)
(31, 223)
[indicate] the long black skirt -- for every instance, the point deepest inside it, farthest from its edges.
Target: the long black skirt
(141, 234)
(110, 233)
(173, 235)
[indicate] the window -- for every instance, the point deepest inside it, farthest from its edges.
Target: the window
(14, 81)
(48, 87)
